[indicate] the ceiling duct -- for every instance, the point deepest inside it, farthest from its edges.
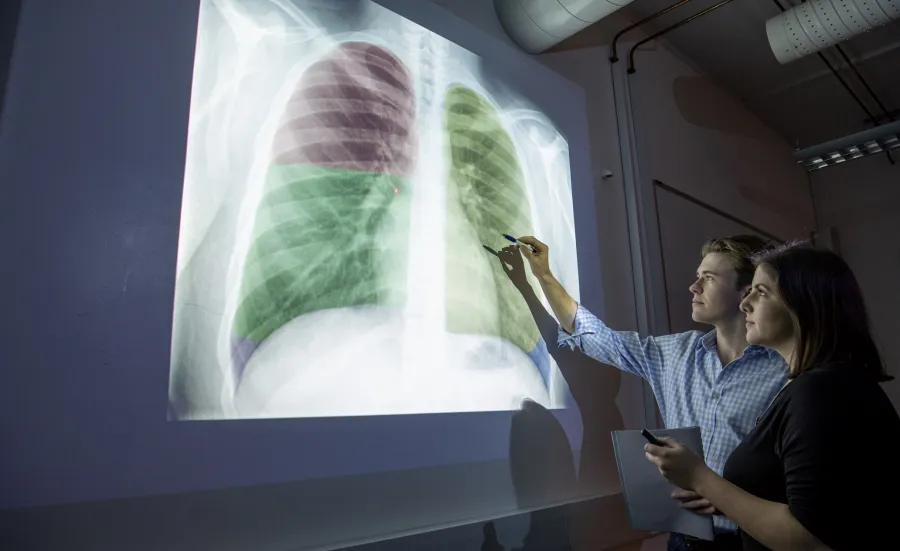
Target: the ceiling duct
(819, 24)
(868, 142)
(536, 25)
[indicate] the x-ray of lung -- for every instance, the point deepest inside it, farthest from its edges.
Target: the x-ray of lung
(347, 171)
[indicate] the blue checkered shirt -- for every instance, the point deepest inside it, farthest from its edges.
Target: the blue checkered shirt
(691, 386)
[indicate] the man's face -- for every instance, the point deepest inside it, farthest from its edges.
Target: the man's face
(716, 294)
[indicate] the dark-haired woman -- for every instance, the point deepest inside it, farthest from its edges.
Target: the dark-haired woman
(820, 469)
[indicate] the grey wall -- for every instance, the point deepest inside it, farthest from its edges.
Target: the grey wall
(681, 244)
(701, 140)
(859, 202)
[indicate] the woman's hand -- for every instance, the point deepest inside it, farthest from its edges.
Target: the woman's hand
(694, 502)
(680, 465)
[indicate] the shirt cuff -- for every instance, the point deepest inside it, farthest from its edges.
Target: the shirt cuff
(573, 340)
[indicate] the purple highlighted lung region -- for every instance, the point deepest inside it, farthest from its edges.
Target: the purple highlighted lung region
(353, 109)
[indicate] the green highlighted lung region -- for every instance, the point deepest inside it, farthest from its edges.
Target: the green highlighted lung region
(486, 197)
(322, 240)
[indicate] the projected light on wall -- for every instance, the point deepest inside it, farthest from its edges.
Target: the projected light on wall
(347, 173)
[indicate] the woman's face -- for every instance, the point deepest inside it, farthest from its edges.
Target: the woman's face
(769, 322)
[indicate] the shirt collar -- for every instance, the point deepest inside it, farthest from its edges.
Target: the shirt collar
(708, 342)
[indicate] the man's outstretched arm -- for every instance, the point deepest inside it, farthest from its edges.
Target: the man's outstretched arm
(577, 327)
(563, 305)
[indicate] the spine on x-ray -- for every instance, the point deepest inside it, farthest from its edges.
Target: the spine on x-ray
(487, 180)
(334, 209)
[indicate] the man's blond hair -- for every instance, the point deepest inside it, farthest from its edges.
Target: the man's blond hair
(740, 250)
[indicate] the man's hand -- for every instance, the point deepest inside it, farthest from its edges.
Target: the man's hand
(564, 307)
(538, 260)
(695, 502)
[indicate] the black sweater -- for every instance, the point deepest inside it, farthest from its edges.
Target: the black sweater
(828, 447)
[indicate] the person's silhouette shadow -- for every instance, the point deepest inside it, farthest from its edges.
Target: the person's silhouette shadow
(594, 389)
(541, 464)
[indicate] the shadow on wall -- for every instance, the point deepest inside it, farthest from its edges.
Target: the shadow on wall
(9, 22)
(541, 463)
(702, 103)
(541, 460)
(769, 182)
(769, 201)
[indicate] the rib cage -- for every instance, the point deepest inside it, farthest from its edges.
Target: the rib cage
(330, 230)
(487, 181)
(354, 109)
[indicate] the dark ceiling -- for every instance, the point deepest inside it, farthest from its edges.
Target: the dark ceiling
(803, 100)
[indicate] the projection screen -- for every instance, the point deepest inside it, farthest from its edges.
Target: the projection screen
(349, 178)
(306, 289)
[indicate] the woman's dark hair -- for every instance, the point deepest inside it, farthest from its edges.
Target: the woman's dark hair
(829, 313)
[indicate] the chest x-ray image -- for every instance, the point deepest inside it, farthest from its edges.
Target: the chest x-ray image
(347, 174)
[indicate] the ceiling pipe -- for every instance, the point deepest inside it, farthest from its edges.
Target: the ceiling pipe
(887, 115)
(819, 24)
(701, 13)
(614, 57)
(537, 25)
(837, 75)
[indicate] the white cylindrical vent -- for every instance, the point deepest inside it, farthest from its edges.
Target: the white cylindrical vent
(536, 25)
(819, 24)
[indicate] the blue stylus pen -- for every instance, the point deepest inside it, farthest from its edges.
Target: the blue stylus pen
(517, 242)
